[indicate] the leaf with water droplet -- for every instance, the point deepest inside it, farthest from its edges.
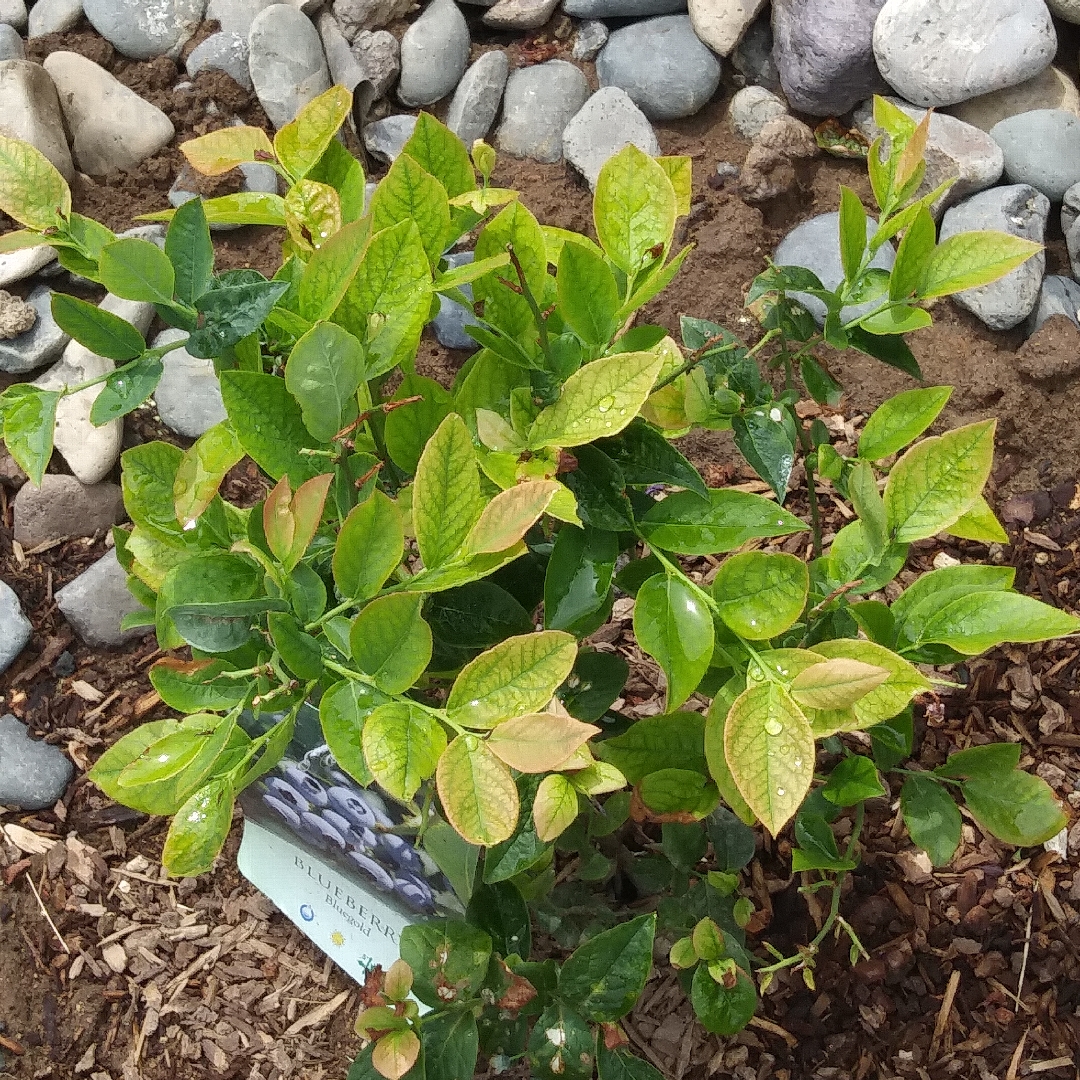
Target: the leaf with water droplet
(199, 829)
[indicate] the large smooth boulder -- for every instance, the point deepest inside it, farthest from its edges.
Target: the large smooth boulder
(286, 62)
(142, 29)
(434, 54)
(30, 110)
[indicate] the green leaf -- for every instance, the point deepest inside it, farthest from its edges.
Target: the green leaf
(673, 625)
(230, 313)
(190, 250)
(853, 780)
(194, 686)
(446, 955)
(892, 740)
(32, 191)
(578, 578)
(137, 270)
(402, 745)
(732, 840)
(931, 817)
(634, 208)
(125, 390)
(503, 308)
(912, 256)
(645, 457)
(302, 142)
(852, 232)
(892, 350)
(598, 400)
(868, 504)
(330, 269)
(299, 651)
(441, 153)
(764, 440)
(761, 595)
(594, 684)
(987, 761)
(269, 424)
(343, 710)
(409, 428)
(515, 677)
(679, 791)
(324, 370)
(588, 295)
(446, 496)
(689, 525)
(1018, 808)
(938, 480)
(477, 792)
(673, 740)
(980, 524)
(599, 490)
(500, 910)
(561, 1046)
(406, 193)
(769, 748)
(977, 622)
(201, 471)
(924, 597)
(971, 259)
(523, 848)
(391, 642)
(722, 1010)
(621, 1064)
(604, 977)
(29, 417)
(369, 546)
(451, 1045)
(454, 856)
(199, 829)
(901, 319)
(100, 331)
(901, 420)
(338, 169)
(817, 845)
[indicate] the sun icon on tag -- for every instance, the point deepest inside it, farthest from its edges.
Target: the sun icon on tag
(338, 938)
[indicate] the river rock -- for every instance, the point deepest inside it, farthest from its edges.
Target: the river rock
(663, 66)
(226, 51)
(1069, 10)
(258, 177)
(13, 13)
(538, 103)
(518, 15)
(1050, 89)
(935, 53)
(621, 9)
(954, 151)
(591, 37)
(606, 123)
(17, 265)
(1017, 209)
(54, 17)
(434, 54)
(1070, 208)
(96, 602)
(345, 69)
(824, 53)
(449, 325)
(188, 397)
(353, 16)
(752, 58)
(1041, 148)
(42, 342)
(62, 507)
(90, 451)
(722, 23)
(33, 774)
(1057, 296)
(385, 138)
(815, 245)
(30, 110)
(286, 61)
(11, 44)
(236, 16)
(752, 108)
(476, 99)
(111, 126)
(142, 29)
(15, 631)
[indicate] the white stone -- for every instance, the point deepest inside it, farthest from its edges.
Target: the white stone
(355, 16)
(1050, 89)
(143, 29)
(236, 16)
(752, 108)
(54, 17)
(11, 45)
(13, 12)
(517, 15)
(17, 265)
(722, 23)
(1069, 10)
(606, 123)
(29, 110)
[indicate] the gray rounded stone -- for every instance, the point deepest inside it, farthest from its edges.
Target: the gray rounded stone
(516, 16)
(30, 110)
(1041, 148)
(621, 9)
(606, 123)
(143, 29)
(96, 602)
(236, 16)
(1050, 89)
(188, 397)
(33, 774)
(1017, 209)
(824, 53)
(1069, 10)
(538, 103)
(62, 507)
(752, 108)
(354, 16)
(449, 325)
(44, 341)
(815, 245)
(15, 630)
(591, 38)
(385, 138)
(286, 62)
(935, 53)
(54, 17)
(477, 97)
(663, 66)
(434, 54)
(1072, 243)
(226, 51)
(11, 44)
(1057, 296)
(13, 13)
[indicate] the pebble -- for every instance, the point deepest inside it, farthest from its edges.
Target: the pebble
(621, 9)
(54, 17)
(11, 44)
(769, 168)
(1070, 208)
(236, 16)
(96, 602)
(1050, 89)
(17, 265)
(111, 126)
(379, 54)
(16, 316)
(538, 104)
(434, 54)
(385, 138)
(286, 61)
(226, 51)
(355, 16)
(15, 631)
(606, 123)
(62, 508)
(33, 774)
(42, 342)
(753, 56)
(30, 110)
(1057, 296)
(143, 29)
(13, 13)
(1069, 10)
(449, 324)
(722, 23)
(90, 451)
(1041, 148)
(591, 38)
(257, 177)
(477, 97)
(663, 66)
(815, 245)
(1017, 209)
(752, 108)
(954, 151)
(935, 53)
(519, 15)
(824, 52)
(188, 397)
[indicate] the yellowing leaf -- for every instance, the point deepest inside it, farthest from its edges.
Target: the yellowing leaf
(510, 515)
(979, 523)
(555, 807)
(32, 191)
(970, 259)
(219, 151)
(202, 469)
(395, 1053)
(312, 214)
(680, 171)
(478, 793)
(300, 143)
(538, 742)
(836, 684)
(599, 778)
(402, 745)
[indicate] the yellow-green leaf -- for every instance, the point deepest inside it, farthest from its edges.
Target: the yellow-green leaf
(836, 684)
(716, 755)
(554, 807)
(312, 214)
(680, 171)
(391, 642)
(970, 259)
(979, 523)
(760, 595)
(201, 470)
(539, 742)
(510, 515)
(369, 546)
(396, 1053)
(598, 778)
(402, 745)
(478, 793)
(300, 143)
(219, 151)
(408, 192)
(32, 191)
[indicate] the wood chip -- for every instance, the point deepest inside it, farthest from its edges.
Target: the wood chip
(115, 956)
(943, 1013)
(29, 843)
(87, 692)
(318, 1015)
(1054, 1063)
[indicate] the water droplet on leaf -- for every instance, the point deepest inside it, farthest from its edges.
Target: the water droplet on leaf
(773, 726)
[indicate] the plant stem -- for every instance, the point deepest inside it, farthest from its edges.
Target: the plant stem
(534, 307)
